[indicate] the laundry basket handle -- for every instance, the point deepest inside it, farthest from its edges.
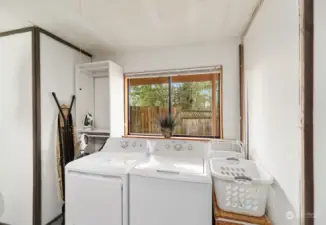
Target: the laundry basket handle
(232, 158)
(168, 171)
(243, 178)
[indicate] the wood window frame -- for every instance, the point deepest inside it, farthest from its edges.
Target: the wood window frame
(157, 80)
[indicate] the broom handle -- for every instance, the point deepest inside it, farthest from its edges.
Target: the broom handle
(72, 102)
(58, 104)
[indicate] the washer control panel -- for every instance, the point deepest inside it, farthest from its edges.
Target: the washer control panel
(126, 144)
(175, 146)
(180, 147)
(132, 144)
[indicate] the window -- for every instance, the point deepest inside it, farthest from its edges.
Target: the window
(193, 99)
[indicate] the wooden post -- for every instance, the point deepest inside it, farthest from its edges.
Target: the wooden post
(126, 121)
(242, 94)
(307, 109)
(220, 79)
(214, 108)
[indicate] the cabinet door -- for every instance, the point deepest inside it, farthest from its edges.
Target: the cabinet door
(102, 103)
(84, 97)
(93, 199)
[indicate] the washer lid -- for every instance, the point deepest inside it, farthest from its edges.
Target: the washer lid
(105, 163)
(189, 169)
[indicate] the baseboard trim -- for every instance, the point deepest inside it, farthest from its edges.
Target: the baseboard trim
(54, 219)
(49, 223)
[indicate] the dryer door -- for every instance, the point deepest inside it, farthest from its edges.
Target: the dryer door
(93, 199)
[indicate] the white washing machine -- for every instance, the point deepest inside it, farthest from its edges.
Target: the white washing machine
(173, 186)
(96, 188)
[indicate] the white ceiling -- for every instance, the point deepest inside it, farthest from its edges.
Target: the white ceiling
(127, 25)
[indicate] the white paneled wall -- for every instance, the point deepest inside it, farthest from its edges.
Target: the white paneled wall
(57, 75)
(272, 71)
(116, 114)
(16, 135)
(319, 112)
(223, 53)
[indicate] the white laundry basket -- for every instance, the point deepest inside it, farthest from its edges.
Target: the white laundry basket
(226, 148)
(241, 186)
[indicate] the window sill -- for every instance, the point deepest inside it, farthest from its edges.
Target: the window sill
(173, 138)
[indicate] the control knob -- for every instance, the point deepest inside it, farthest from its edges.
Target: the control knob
(124, 144)
(177, 147)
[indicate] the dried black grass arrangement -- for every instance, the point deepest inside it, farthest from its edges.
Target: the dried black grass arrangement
(167, 124)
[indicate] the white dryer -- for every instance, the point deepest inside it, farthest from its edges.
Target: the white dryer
(173, 186)
(96, 186)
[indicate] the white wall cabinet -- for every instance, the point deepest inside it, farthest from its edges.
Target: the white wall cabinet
(99, 91)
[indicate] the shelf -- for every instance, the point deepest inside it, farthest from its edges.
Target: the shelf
(97, 136)
(95, 70)
(96, 132)
(94, 66)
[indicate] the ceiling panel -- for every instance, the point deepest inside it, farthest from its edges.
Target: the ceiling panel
(9, 21)
(125, 25)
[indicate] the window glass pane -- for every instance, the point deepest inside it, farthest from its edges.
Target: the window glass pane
(148, 101)
(192, 104)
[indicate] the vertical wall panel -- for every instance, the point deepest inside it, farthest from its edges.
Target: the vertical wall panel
(319, 111)
(116, 100)
(57, 75)
(272, 71)
(16, 129)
